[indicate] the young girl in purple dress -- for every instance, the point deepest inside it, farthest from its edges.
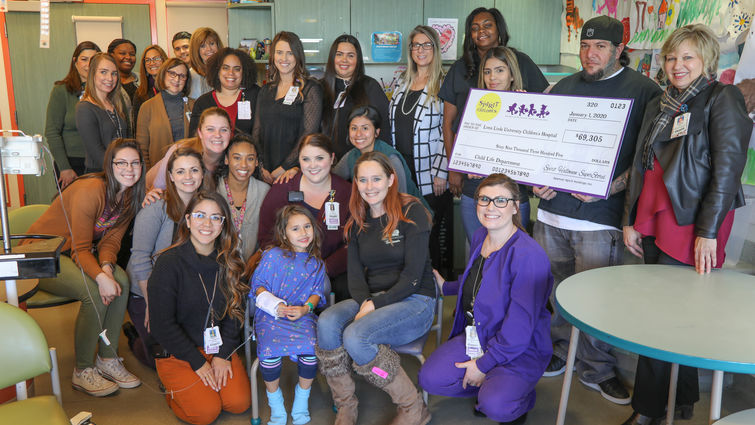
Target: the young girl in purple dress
(287, 286)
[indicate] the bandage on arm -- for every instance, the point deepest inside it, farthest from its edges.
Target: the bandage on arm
(268, 303)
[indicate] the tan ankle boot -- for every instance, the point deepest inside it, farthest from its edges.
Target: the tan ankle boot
(385, 372)
(335, 365)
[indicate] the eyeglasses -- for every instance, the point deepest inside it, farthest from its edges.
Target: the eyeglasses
(421, 46)
(172, 74)
(499, 201)
(215, 219)
(156, 59)
(122, 165)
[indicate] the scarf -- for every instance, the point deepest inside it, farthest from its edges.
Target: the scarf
(672, 103)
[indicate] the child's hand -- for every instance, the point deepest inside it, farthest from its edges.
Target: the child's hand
(295, 312)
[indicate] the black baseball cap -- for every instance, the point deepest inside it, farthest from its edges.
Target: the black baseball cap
(603, 28)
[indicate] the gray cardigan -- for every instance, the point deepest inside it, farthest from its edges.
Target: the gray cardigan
(255, 194)
(153, 232)
(97, 131)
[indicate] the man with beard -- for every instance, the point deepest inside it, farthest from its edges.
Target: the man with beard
(580, 232)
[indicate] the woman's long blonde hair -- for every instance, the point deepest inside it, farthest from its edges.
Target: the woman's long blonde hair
(436, 67)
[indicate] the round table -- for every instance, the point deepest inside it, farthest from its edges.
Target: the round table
(25, 288)
(668, 313)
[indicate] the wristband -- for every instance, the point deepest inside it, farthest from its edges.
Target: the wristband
(311, 306)
(107, 263)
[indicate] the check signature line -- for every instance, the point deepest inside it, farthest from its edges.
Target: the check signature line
(573, 176)
(527, 154)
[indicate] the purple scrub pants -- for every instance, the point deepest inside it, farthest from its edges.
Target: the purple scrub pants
(503, 396)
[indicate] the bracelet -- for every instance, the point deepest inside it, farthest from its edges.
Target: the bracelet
(107, 263)
(311, 306)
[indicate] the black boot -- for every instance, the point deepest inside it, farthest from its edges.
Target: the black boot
(638, 419)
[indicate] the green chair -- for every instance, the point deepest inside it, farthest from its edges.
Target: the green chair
(19, 221)
(24, 354)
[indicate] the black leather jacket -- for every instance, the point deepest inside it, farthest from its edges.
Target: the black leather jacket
(702, 170)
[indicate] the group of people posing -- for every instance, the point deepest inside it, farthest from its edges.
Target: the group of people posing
(234, 199)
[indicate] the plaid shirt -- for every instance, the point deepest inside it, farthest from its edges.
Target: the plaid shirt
(429, 154)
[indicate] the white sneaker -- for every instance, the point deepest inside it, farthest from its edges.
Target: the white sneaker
(91, 382)
(114, 370)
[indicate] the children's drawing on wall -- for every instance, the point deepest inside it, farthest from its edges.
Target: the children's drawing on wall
(608, 5)
(447, 29)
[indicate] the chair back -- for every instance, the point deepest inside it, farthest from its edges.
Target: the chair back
(21, 219)
(23, 352)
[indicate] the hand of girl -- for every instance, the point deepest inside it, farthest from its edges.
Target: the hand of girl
(296, 312)
(439, 185)
(705, 254)
(152, 196)
(222, 371)
(277, 172)
(633, 241)
(66, 177)
(287, 175)
(109, 288)
(472, 376)
(366, 308)
(205, 373)
(455, 181)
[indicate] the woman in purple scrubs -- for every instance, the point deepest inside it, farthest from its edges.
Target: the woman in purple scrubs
(502, 298)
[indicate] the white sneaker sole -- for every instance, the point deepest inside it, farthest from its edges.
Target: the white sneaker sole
(99, 393)
(596, 387)
(121, 384)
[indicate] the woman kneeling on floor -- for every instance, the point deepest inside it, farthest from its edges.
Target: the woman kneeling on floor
(196, 309)
(500, 342)
(392, 290)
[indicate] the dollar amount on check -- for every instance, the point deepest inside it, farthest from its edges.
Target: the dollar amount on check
(569, 143)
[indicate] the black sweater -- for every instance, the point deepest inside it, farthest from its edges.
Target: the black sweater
(400, 269)
(178, 305)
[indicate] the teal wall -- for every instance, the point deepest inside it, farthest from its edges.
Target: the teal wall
(35, 69)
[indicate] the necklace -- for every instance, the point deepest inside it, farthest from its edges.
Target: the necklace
(403, 102)
(115, 121)
(236, 214)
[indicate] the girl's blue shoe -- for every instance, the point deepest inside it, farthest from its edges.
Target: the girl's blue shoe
(278, 414)
(300, 410)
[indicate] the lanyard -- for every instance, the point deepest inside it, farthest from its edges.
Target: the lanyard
(236, 214)
(210, 311)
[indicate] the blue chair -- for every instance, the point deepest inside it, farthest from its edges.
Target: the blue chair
(24, 354)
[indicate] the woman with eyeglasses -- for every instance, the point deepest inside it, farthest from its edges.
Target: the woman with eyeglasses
(233, 77)
(60, 126)
(484, 29)
(500, 343)
(164, 118)
(416, 117)
(92, 214)
(152, 59)
(345, 86)
(196, 310)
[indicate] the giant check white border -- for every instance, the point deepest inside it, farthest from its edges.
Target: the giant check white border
(569, 143)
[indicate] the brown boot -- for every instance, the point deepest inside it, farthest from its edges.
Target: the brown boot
(335, 366)
(385, 372)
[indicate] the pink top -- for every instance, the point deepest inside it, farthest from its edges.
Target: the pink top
(655, 217)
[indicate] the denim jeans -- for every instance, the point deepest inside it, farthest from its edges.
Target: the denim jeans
(571, 252)
(395, 324)
(468, 210)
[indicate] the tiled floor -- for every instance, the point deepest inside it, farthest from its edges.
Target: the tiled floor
(146, 406)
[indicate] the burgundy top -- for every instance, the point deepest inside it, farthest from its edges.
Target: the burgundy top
(655, 217)
(333, 249)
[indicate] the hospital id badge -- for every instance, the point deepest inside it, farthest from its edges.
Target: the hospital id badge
(472, 343)
(332, 215)
(245, 110)
(293, 91)
(212, 340)
(681, 124)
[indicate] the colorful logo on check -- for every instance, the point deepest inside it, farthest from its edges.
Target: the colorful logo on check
(488, 107)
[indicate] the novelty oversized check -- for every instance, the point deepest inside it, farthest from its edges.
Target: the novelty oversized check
(569, 143)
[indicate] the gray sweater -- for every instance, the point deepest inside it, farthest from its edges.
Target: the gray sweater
(97, 130)
(153, 232)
